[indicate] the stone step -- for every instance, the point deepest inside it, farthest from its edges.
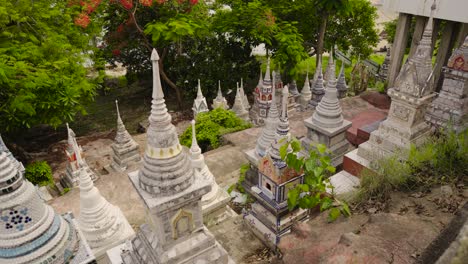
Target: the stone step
(345, 185)
(363, 133)
(354, 164)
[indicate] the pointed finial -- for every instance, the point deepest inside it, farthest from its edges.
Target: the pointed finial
(285, 102)
(242, 83)
(237, 85)
(220, 94)
(194, 148)
(267, 72)
(76, 150)
(118, 112)
(260, 80)
(199, 92)
(157, 88)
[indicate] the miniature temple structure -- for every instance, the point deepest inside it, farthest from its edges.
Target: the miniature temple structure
(293, 90)
(341, 85)
(103, 224)
(279, 85)
(220, 101)
(405, 125)
(327, 125)
(306, 94)
(214, 203)
(450, 108)
(71, 177)
(263, 98)
(245, 100)
(383, 71)
(172, 191)
(238, 107)
(125, 150)
(30, 230)
(269, 217)
(199, 104)
(3, 148)
(318, 90)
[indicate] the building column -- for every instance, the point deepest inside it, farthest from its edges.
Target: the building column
(462, 34)
(417, 35)
(447, 41)
(399, 46)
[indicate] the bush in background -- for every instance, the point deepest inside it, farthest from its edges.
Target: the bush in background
(39, 173)
(211, 126)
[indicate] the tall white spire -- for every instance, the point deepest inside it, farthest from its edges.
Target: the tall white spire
(306, 93)
(245, 100)
(3, 148)
(318, 90)
(220, 101)
(341, 85)
(163, 150)
(282, 134)
(199, 104)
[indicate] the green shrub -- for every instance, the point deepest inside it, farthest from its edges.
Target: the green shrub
(39, 173)
(441, 160)
(65, 190)
(211, 126)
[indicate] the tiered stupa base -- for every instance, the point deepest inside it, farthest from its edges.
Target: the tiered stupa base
(71, 178)
(333, 138)
(124, 156)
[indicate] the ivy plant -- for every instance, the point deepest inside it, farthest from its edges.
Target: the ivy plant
(317, 168)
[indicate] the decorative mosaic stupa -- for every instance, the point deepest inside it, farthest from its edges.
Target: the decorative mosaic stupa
(318, 90)
(3, 148)
(220, 101)
(341, 85)
(269, 217)
(244, 96)
(30, 230)
(125, 150)
(263, 97)
(327, 125)
(413, 92)
(268, 132)
(238, 106)
(172, 191)
(199, 105)
(103, 224)
(306, 93)
(213, 203)
(71, 177)
(451, 106)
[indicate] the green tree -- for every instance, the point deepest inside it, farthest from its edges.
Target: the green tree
(188, 48)
(42, 56)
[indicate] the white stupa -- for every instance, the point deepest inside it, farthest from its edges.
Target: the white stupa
(244, 96)
(125, 150)
(30, 230)
(199, 105)
(220, 101)
(306, 93)
(217, 198)
(3, 148)
(103, 224)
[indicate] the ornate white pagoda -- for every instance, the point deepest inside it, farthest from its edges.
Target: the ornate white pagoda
(30, 230)
(71, 177)
(214, 203)
(451, 105)
(245, 100)
(263, 97)
(220, 101)
(413, 92)
(239, 107)
(125, 150)
(3, 148)
(172, 191)
(103, 224)
(199, 105)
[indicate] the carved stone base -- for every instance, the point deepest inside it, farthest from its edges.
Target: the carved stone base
(333, 138)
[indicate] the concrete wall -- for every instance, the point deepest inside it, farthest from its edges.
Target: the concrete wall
(454, 10)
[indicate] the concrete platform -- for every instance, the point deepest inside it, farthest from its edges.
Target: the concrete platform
(354, 164)
(345, 185)
(363, 133)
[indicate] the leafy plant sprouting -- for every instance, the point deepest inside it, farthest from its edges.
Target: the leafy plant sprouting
(316, 168)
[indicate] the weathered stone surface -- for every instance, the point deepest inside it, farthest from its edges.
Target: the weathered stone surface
(125, 149)
(172, 192)
(383, 71)
(341, 85)
(413, 91)
(450, 108)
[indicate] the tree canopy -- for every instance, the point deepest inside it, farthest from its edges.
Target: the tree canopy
(42, 56)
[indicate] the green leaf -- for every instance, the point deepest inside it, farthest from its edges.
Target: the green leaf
(283, 150)
(321, 148)
(333, 214)
(345, 209)
(326, 204)
(331, 169)
(296, 145)
(293, 194)
(318, 171)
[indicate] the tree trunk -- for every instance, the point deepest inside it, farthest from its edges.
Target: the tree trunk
(168, 81)
(321, 38)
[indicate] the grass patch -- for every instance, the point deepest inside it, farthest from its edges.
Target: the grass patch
(442, 160)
